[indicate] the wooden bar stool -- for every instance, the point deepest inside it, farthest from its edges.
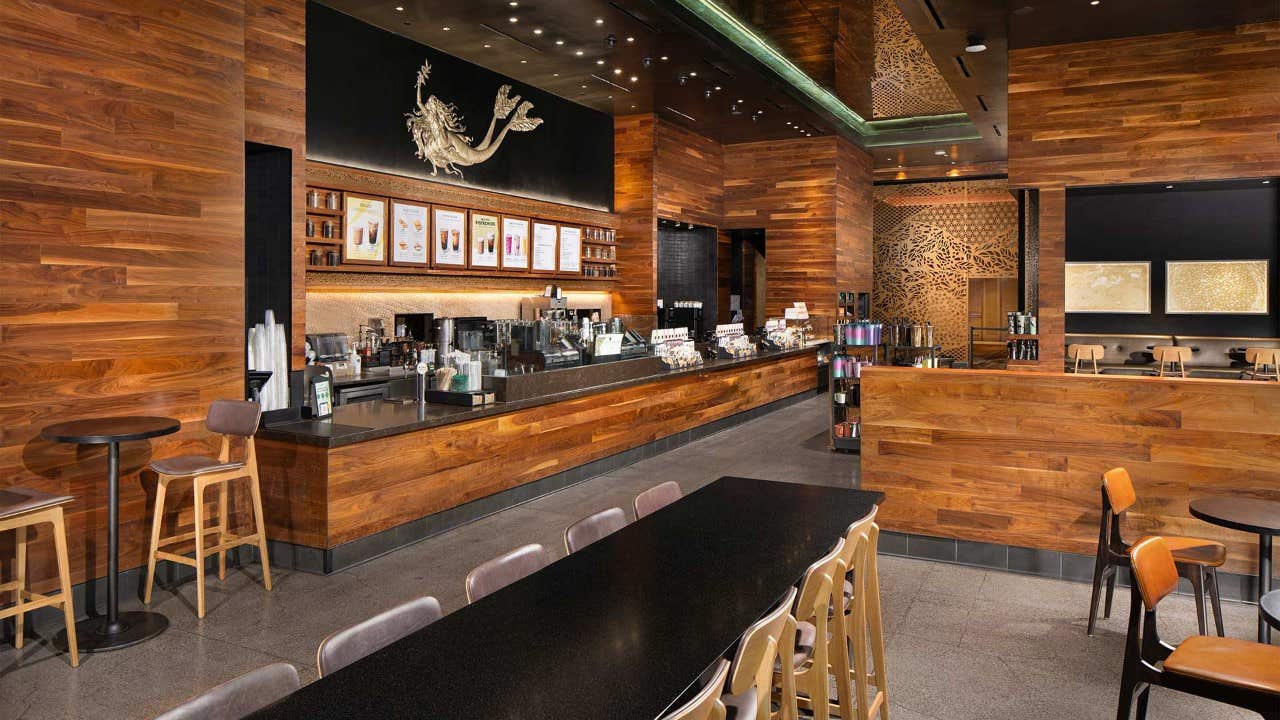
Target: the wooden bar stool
(1167, 356)
(1237, 672)
(766, 644)
(21, 508)
(864, 621)
(706, 704)
(820, 639)
(229, 418)
(1079, 353)
(1263, 358)
(1197, 560)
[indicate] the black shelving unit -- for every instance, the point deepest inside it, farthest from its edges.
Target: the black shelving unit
(853, 306)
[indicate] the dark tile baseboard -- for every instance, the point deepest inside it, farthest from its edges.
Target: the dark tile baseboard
(1030, 561)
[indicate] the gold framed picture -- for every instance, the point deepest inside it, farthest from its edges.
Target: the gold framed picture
(364, 230)
(410, 225)
(485, 245)
(448, 237)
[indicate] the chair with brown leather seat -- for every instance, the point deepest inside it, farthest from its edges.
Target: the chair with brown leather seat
(821, 639)
(592, 528)
(657, 497)
(240, 697)
(706, 704)
(21, 509)
(766, 643)
(493, 575)
(1197, 560)
(230, 419)
(1237, 672)
(369, 636)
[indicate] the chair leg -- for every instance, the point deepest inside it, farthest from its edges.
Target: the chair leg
(1111, 591)
(64, 579)
(1197, 588)
(1216, 599)
(20, 568)
(199, 522)
(1143, 697)
(157, 518)
(222, 529)
(261, 524)
(1099, 568)
(875, 620)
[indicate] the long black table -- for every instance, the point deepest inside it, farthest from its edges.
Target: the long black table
(620, 629)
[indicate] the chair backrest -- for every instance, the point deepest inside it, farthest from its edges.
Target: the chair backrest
(860, 530)
(1085, 352)
(1154, 569)
(1171, 353)
(706, 704)
(493, 575)
(816, 589)
(367, 637)
(233, 417)
(1119, 488)
(758, 651)
(593, 527)
(656, 498)
(1262, 356)
(240, 697)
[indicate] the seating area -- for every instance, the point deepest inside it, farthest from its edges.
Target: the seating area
(1222, 358)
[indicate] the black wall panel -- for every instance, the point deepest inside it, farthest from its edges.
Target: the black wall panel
(687, 268)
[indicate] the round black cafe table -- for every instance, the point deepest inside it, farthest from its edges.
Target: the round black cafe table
(115, 629)
(1261, 517)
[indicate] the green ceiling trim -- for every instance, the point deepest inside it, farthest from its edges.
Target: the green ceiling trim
(744, 37)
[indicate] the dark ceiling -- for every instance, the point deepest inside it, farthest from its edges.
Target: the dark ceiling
(1034, 23)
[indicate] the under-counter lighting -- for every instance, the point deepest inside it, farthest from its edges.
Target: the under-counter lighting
(1266, 182)
(1168, 187)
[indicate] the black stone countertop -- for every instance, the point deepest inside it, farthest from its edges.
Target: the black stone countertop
(375, 419)
(616, 631)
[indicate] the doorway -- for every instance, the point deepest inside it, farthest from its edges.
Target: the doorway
(747, 272)
(990, 302)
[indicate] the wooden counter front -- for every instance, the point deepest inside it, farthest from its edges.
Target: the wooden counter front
(1017, 459)
(323, 497)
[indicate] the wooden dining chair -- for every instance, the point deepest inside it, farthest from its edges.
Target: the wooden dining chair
(657, 497)
(369, 636)
(1171, 356)
(864, 621)
(1236, 672)
(240, 697)
(20, 510)
(821, 638)
(706, 704)
(750, 692)
(1197, 560)
(1263, 359)
(1081, 353)
(493, 575)
(230, 419)
(592, 528)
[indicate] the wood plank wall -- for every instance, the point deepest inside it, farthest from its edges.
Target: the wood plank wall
(1052, 291)
(1017, 459)
(854, 227)
(689, 176)
(635, 203)
(275, 102)
(121, 228)
(1200, 105)
(322, 498)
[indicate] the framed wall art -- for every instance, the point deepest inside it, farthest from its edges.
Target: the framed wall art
(545, 246)
(364, 230)
(410, 225)
(570, 250)
(484, 239)
(515, 243)
(1108, 287)
(1218, 287)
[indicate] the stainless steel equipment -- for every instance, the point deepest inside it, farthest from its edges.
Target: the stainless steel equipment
(444, 337)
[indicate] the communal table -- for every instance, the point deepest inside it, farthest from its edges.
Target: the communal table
(114, 630)
(618, 630)
(1261, 517)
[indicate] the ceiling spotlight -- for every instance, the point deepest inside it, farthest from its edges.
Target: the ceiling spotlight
(693, 74)
(600, 61)
(524, 62)
(617, 71)
(788, 123)
(576, 52)
(1266, 182)
(487, 45)
(513, 3)
(611, 40)
(717, 88)
(1095, 2)
(975, 43)
(537, 31)
(1168, 187)
(399, 8)
(599, 21)
(445, 28)
(683, 79)
(664, 58)
(513, 19)
(939, 152)
(646, 62)
(634, 78)
(630, 39)
(555, 74)
(584, 87)
(559, 42)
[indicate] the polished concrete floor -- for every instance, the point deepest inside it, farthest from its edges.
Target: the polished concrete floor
(962, 642)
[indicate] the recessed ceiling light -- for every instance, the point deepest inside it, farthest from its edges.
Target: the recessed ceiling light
(1095, 2)
(633, 107)
(664, 58)
(617, 71)
(599, 21)
(1168, 187)
(1266, 182)
(939, 152)
(975, 43)
(630, 39)
(578, 53)
(523, 61)
(399, 8)
(487, 45)
(559, 42)
(953, 162)
(555, 74)
(694, 74)
(513, 3)
(514, 19)
(445, 28)
(717, 87)
(610, 97)
(899, 166)
(634, 78)
(600, 61)
(584, 87)
(537, 31)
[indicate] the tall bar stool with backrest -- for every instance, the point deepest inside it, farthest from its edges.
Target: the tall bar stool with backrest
(706, 704)
(22, 508)
(750, 692)
(1197, 560)
(821, 638)
(1085, 353)
(1262, 359)
(493, 575)
(230, 419)
(1238, 672)
(240, 697)
(592, 528)
(365, 638)
(1168, 356)
(864, 621)
(657, 497)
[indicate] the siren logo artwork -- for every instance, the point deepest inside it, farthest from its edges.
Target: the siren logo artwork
(442, 138)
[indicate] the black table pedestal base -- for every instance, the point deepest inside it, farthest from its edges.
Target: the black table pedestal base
(97, 635)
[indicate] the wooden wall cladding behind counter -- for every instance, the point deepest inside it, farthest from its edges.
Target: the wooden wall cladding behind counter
(1017, 459)
(321, 498)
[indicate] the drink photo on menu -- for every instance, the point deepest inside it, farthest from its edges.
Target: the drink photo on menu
(484, 239)
(363, 219)
(450, 230)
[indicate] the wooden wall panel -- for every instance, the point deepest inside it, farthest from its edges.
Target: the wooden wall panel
(1052, 290)
(1018, 459)
(689, 176)
(275, 102)
(1198, 105)
(635, 203)
(853, 234)
(121, 228)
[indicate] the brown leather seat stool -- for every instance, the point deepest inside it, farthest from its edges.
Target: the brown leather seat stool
(21, 508)
(231, 419)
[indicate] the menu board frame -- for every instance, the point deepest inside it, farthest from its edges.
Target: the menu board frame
(533, 248)
(507, 259)
(482, 260)
(563, 252)
(464, 244)
(349, 257)
(409, 261)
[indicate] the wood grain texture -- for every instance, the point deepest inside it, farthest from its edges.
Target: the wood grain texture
(364, 488)
(689, 176)
(1018, 459)
(275, 104)
(1200, 105)
(854, 228)
(1052, 268)
(942, 171)
(122, 230)
(635, 203)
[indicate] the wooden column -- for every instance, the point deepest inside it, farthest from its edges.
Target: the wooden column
(1052, 290)
(634, 201)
